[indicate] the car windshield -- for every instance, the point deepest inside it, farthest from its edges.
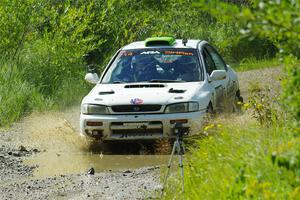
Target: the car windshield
(154, 65)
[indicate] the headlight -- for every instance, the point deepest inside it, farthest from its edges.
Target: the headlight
(94, 109)
(182, 107)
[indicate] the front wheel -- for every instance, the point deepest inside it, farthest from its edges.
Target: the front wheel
(209, 112)
(209, 109)
(238, 102)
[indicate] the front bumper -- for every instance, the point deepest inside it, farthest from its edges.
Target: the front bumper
(138, 127)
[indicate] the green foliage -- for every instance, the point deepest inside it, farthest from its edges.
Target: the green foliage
(43, 64)
(278, 21)
(264, 106)
(246, 161)
(252, 63)
(16, 18)
(17, 96)
(253, 48)
(234, 162)
(43, 41)
(291, 87)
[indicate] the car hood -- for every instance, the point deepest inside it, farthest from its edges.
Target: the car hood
(143, 93)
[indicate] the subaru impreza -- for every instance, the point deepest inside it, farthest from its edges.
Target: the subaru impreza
(149, 86)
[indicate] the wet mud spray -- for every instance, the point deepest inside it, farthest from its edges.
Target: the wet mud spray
(64, 151)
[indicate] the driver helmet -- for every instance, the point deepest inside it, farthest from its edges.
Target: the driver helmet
(142, 62)
(188, 63)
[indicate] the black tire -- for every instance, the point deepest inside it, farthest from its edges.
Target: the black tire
(209, 115)
(238, 102)
(210, 111)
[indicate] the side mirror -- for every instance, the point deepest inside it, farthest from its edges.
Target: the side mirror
(91, 78)
(218, 75)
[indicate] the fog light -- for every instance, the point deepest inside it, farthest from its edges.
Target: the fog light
(180, 121)
(88, 132)
(97, 134)
(94, 123)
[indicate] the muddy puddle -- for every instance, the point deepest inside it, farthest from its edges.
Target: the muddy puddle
(52, 164)
(63, 151)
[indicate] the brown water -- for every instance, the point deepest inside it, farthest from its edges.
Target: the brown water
(63, 151)
(51, 164)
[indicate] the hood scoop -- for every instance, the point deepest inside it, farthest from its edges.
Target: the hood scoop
(145, 86)
(177, 91)
(106, 92)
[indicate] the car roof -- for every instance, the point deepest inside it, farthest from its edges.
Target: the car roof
(191, 44)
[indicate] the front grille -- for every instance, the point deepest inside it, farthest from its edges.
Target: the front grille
(136, 108)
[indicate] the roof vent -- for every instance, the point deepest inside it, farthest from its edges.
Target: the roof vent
(160, 41)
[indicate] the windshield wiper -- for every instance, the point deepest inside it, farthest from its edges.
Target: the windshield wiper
(164, 81)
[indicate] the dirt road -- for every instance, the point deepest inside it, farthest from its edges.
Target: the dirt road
(43, 157)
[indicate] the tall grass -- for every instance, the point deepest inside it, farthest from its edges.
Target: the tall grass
(253, 63)
(21, 94)
(17, 96)
(235, 162)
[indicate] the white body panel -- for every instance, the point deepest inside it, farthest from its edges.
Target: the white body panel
(154, 124)
(194, 123)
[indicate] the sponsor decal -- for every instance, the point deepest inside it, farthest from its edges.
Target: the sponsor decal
(183, 53)
(150, 52)
(127, 53)
(136, 101)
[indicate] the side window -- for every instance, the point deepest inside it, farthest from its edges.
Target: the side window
(209, 64)
(220, 64)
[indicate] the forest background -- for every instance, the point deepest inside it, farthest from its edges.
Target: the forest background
(43, 48)
(43, 44)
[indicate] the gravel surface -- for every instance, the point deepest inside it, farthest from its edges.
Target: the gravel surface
(57, 135)
(17, 180)
(135, 184)
(11, 166)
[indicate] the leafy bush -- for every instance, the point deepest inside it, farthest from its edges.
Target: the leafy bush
(264, 105)
(265, 19)
(291, 85)
(17, 96)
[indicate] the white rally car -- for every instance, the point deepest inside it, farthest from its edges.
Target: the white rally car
(149, 86)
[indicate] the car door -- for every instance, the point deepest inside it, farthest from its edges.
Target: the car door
(213, 62)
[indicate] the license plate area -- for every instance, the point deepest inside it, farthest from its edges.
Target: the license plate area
(140, 130)
(135, 124)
